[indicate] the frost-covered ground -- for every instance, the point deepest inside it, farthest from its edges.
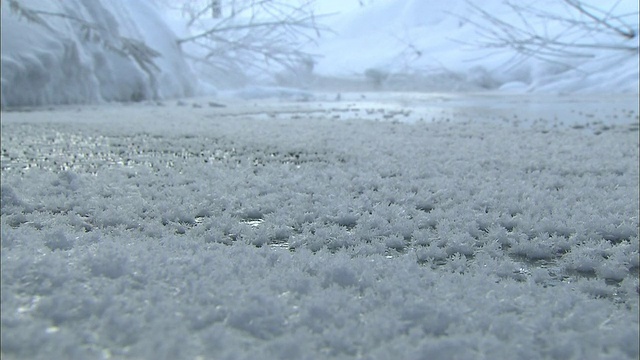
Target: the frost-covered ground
(281, 223)
(422, 226)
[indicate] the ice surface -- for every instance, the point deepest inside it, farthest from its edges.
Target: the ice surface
(303, 230)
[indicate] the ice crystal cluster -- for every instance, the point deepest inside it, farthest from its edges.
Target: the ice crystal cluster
(129, 234)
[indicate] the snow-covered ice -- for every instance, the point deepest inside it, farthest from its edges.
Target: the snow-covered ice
(322, 229)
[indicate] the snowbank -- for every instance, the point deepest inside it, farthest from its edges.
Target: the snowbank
(64, 61)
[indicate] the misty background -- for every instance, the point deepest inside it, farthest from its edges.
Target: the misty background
(84, 51)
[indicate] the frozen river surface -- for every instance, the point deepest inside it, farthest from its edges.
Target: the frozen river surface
(357, 225)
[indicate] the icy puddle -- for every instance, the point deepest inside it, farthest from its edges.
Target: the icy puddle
(519, 110)
(362, 225)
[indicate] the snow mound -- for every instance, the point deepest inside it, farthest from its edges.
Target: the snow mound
(66, 60)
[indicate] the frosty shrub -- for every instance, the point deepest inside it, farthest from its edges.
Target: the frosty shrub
(376, 76)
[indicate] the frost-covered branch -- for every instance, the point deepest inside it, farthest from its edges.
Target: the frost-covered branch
(622, 28)
(302, 23)
(578, 32)
(137, 50)
(29, 14)
(264, 35)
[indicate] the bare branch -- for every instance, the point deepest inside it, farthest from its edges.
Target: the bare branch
(629, 34)
(257, 34)
(302, 23)
(137, 50)
(571, 41)
(29, 14)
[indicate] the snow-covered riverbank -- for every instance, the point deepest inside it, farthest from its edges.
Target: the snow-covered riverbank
(299, 230)
(89, 51)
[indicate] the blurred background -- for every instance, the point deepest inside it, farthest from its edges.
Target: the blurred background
(86, 51)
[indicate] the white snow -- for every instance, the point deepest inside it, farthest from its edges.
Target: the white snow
(291, 230)
(58, 64)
